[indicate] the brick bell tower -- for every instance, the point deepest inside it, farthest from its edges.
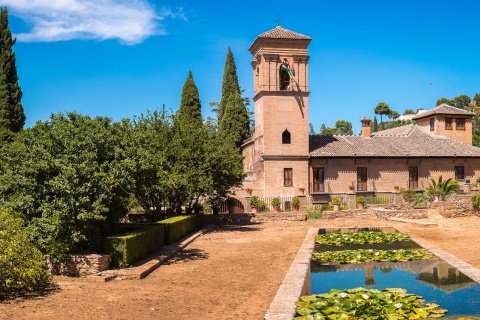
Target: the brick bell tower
(276, 156)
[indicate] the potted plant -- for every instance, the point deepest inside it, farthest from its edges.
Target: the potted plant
(351, 187)
(361, 202)
(397, 188)
(276, 204)
(254, 204)
(336, 204)
(302, 190)
(296, 204)
(407, 194)
(249, 191)
(231, 205)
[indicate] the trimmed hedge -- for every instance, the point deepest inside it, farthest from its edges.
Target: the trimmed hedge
(179, 226)
(129, 248)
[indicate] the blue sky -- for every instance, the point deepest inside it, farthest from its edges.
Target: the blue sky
(119, 58)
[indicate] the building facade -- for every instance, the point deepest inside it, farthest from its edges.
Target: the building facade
(282, 160)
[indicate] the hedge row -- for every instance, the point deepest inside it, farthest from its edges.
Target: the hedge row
(131, 247)
(143, 239)
(179, 226)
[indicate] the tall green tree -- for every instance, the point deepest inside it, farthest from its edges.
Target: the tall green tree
(12, 117)
(444, 100)
(462, 101)
(374, 124)
(408, 111)
(230, 83)
(476, 99)
(190, 110)
(393, 114)
(382, 109)
(234, 125)
(311, 129)
(343, 128)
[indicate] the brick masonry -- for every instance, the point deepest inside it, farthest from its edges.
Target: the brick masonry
(80, 265)
(456, 206)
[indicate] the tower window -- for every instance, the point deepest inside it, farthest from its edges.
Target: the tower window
(286, 138)
(284, 77)
(460, 124)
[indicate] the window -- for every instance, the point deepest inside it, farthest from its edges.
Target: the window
(412, 177)
(287, 177)
(459, 172)
(284, 77)
(286, 138)
(318, 180)
(448, 124)
(361, 179)
(432, 124)
(460, 124)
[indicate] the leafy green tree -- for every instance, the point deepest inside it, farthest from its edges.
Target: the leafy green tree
(68, 179)
(476, 99)
(234, 125)
(419, 109)
(462, 101)
(443, 187)
(444, 100)
(375, 125)
(408, 111)
(326, 131)
(190, 110)
(393, 114)
(22, 265)
(343, 128)
(382, 109)
(230, 83)
(12, 117)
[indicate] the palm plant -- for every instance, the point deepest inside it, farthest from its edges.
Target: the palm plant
(443, 188)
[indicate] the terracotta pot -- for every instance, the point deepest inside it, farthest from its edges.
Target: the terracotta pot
(302, 191)
(249, 192)
(254, 210)
(360, 206)
(296, 209)
(336, 207)
(276, 208)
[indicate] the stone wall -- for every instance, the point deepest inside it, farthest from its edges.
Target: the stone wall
(80, 265)
(328, 215)
(384, 213)
(455, 206)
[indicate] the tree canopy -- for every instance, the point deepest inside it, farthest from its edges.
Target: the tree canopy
(12, 116)
(382, 109)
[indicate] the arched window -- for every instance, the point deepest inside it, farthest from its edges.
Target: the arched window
(284, 78)
(286, 139)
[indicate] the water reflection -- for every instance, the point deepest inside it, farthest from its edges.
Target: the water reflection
(435, 280)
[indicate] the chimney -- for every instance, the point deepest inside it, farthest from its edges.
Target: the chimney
(366, 127)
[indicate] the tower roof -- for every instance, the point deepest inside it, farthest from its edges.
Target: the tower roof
(282, 33)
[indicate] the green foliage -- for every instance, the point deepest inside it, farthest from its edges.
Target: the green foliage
(462, 101)
(190, 106)
(335, 201)
(408, 194)
(12, 116)
(276, 202)
(68, 178)
(295, 202)
(254, 201)
(382, 109)
(443, 188)
(375, 125)
(234, 126)
(229, 84)
(131, 247)
(360, 237)
(444, 100)
(408, 111)
(342, 128)
(22, 265)
(476, 201)
(177, 227)
(371, 255)
(311, 130)
(422, 199)
(360, 303)
(360, 200)
(314, 214)
(393, 114)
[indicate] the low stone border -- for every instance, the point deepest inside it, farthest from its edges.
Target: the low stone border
(246, 218)
(328, 215)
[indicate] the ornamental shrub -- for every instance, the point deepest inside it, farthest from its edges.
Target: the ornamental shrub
(22, 265)
(177, 227)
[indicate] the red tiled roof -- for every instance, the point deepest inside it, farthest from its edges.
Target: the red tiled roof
(281, 33)
(406, 141)
(444, 109)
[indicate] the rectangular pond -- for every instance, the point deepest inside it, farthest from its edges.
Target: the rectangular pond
(435, 280)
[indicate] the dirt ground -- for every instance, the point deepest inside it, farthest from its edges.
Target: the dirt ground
(232, 272)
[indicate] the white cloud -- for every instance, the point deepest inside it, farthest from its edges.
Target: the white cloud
(130, 21)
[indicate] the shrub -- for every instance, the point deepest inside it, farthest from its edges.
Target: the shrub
(22, 265)
(314, 214)
(177, 227)
(295, 202)
(276, 202)
(476, 201)
(254, 202)
(335, 201)
(360, 200)
(129, 248)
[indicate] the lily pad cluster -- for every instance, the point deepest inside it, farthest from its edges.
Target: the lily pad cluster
(361, 303)
(372, 255)
(360, 237)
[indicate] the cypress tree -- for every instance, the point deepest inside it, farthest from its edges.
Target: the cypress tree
(234, 125)
(230, 83)
(12, 117)
(190, 107)
(375, 124)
